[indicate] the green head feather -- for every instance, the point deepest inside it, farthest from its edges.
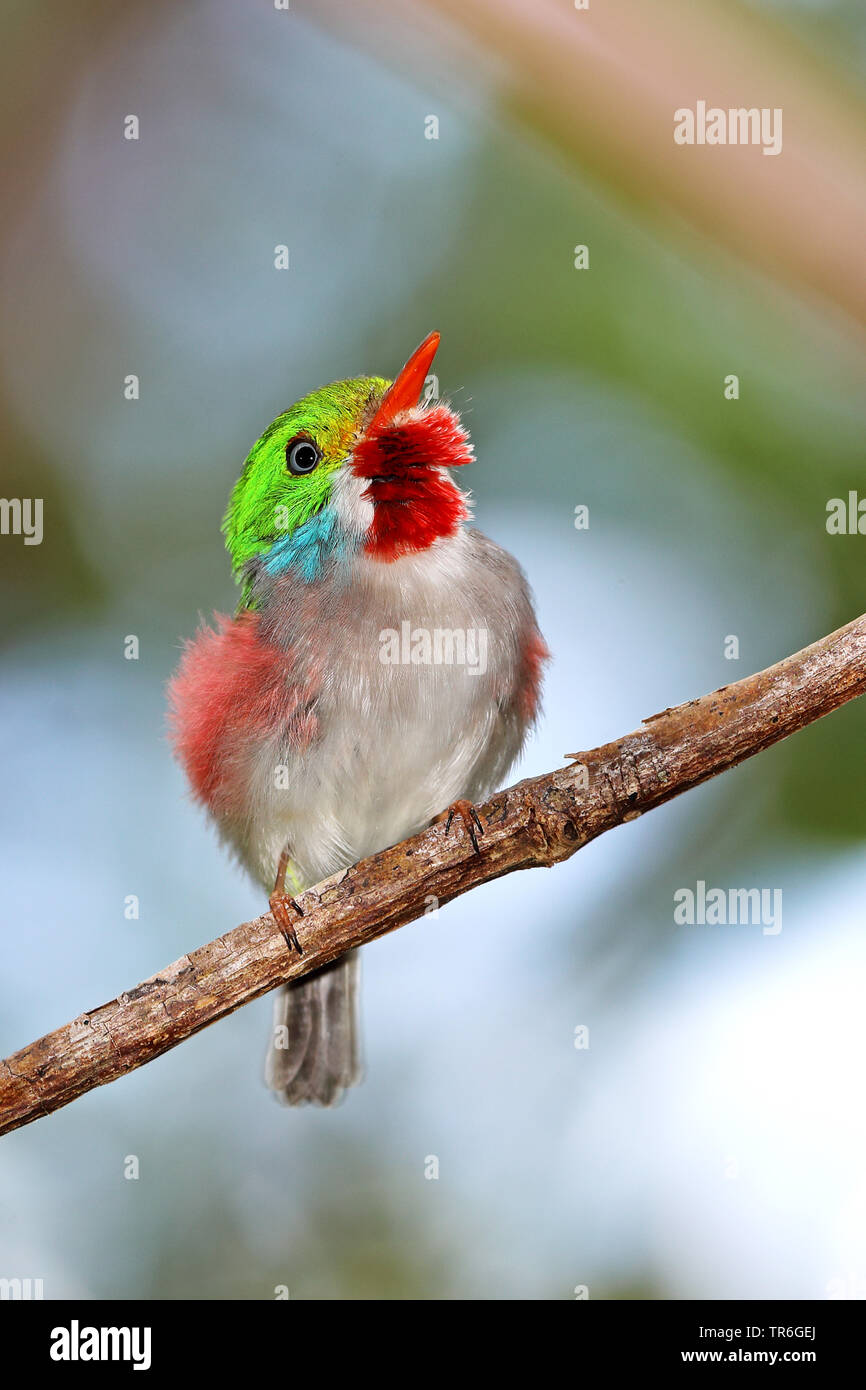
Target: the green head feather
(268, 502)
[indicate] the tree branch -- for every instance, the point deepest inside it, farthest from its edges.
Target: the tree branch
(538, 822)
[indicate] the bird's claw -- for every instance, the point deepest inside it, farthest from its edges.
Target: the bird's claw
(470, 818)
(280, 904)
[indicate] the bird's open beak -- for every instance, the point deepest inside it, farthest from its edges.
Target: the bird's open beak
(405, 391)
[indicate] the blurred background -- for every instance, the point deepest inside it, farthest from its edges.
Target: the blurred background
(710, 1142)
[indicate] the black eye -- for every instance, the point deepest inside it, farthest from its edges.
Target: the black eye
(301, 455)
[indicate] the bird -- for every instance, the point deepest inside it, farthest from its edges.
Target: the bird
(380, 674)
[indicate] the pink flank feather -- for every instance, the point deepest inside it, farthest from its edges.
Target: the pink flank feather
(231, 689)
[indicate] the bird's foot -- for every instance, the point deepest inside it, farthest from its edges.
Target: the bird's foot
(469, 816)
(281, 906)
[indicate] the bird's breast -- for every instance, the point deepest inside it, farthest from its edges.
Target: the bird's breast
(409, 663)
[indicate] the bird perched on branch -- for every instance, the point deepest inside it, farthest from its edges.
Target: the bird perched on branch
(383, 666)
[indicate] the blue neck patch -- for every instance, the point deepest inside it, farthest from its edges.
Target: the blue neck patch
(306, 550)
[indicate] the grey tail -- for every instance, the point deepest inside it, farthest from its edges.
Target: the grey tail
(314, 1053)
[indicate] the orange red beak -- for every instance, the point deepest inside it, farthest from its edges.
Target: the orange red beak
(405, 391)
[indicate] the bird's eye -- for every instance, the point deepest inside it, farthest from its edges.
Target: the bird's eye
(302, 455)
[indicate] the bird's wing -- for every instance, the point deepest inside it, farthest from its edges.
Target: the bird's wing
(518, 688)
(233, 691)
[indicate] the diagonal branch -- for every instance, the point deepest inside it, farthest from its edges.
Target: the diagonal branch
(538, 822)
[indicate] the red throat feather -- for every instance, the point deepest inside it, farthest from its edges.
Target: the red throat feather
(414, 501)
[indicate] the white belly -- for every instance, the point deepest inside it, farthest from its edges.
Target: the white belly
(397, 742)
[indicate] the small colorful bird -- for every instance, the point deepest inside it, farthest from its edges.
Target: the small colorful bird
(383, 666)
